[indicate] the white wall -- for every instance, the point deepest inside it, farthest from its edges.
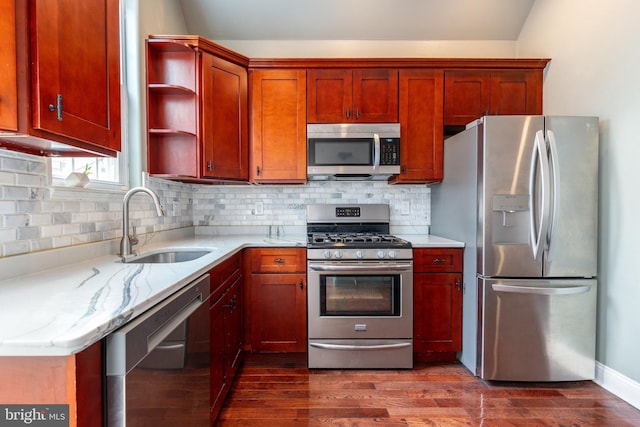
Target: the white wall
(595, 70)
(372, 48)
(143, 17)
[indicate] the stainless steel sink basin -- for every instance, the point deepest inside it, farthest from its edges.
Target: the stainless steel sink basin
(167, 257)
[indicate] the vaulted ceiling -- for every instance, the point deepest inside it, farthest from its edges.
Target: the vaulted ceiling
(356, 19)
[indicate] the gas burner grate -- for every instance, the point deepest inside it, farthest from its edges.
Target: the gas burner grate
(364, 239)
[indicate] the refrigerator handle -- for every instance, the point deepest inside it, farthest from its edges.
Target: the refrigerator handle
(565, 290)
(539, 156)
(555, 179)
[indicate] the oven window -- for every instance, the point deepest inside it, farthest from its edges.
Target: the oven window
(360, 295)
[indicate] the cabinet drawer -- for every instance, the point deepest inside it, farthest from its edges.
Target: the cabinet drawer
(437, 260)
(280, 260)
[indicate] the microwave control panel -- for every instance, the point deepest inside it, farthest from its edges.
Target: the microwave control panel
(390, 151)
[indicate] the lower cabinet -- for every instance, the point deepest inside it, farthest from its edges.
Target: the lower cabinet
(276, 300)
(226, 329)
(437, 299)
(75, 380)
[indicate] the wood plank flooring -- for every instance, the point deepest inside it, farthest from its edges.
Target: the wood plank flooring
(279, 390)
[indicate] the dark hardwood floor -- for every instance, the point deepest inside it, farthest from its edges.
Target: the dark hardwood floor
(279, 390)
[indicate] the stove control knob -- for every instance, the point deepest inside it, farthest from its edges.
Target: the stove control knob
(380, 254)
(392, 254)
(359, 254)
(327, 254)
(338, 254)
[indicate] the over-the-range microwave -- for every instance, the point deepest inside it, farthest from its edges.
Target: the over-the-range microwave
(353, 151)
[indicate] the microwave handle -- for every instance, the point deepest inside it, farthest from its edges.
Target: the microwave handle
(376, 151)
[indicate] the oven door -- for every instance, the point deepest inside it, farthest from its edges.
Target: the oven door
(360, 299)
(360, 315)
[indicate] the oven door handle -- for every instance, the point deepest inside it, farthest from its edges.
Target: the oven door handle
(359, 347)
(371, 267)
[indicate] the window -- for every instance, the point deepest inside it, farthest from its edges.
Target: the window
(104, 172)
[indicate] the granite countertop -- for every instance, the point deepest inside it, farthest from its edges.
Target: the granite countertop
(59, 302)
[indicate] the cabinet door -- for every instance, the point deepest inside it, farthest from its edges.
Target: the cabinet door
(75, 57)
(330, 96)
(375, 96)
(363, 96)
(8, 67)
(278, 309)
(516, 92)
(278, 126)
(233, 329)
(225, 137)
(471, 94)
(466, 96)
(421, 126)
(219, 384)
(437, 314)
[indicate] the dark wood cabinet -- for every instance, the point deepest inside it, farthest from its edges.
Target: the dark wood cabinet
(471, 94)
(362, 95)
(65, 65)
(278, 126)
(421, 126)
(437, 296)
(76, 380)
(196, 112)
(225, 132)
(226, 318)
(277, 300)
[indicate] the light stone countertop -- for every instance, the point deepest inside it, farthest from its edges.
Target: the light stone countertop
(54, 305)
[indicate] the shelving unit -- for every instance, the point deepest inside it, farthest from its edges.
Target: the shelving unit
(173, 92)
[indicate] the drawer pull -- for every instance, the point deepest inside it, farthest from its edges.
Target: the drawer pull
(439, 260)
(279, 260)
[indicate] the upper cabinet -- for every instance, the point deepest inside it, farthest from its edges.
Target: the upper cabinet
(278, 126)
(196, 111)
(362, 96)
(61, 81)
(471, 94)
(420, 126)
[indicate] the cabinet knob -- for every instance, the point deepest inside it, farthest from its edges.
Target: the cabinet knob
(301, 285)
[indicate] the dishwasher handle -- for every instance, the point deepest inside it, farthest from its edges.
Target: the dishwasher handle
(155, 338)
(129, 345)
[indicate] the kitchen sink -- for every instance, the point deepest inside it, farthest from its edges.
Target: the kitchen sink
(167, 257)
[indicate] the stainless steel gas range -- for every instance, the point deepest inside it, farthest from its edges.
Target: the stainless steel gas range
(360, 289)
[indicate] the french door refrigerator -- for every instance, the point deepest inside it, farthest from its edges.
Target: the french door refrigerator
(522, 193)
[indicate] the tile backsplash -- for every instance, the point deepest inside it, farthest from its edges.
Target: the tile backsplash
(35, 216)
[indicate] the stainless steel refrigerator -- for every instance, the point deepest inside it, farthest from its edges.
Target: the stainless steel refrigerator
(522, 193)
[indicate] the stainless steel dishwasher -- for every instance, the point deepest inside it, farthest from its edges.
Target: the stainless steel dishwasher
(158, 365)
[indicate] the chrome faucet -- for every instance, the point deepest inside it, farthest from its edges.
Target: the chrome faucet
(127, 242)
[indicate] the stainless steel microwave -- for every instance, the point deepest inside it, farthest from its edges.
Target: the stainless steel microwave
(353, 151)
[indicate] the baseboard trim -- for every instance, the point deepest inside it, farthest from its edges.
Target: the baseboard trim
(623, 387)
